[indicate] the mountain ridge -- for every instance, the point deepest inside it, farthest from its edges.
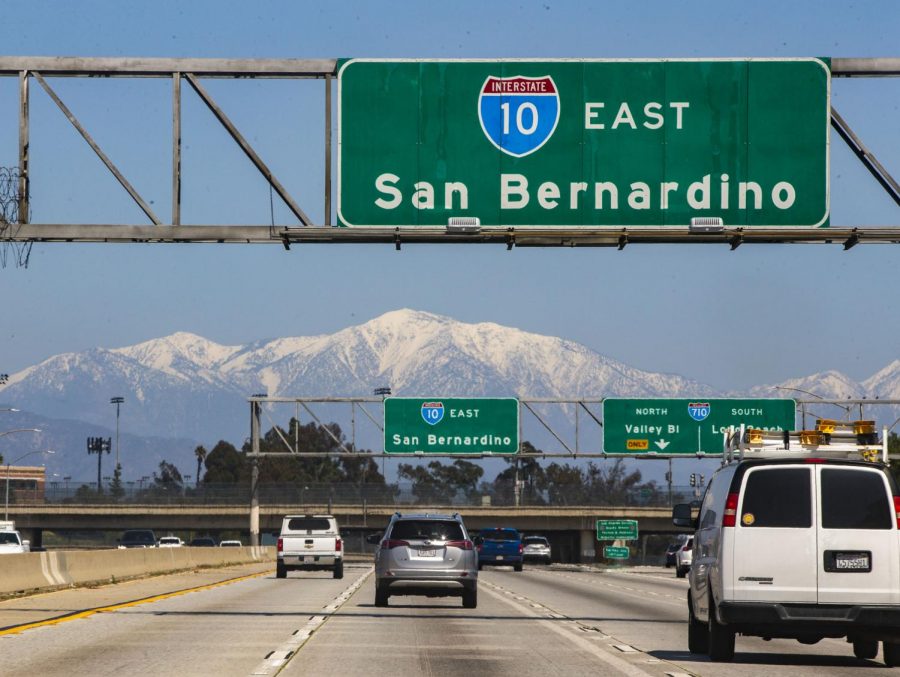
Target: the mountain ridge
(184, 386)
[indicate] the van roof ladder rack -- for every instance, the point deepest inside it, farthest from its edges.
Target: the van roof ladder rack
(830, 439)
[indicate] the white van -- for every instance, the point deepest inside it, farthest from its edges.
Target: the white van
(801, 547)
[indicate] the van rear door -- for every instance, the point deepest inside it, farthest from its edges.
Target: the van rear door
(859, 553)
(775, 552)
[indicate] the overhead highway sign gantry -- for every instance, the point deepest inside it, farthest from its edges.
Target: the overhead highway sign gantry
(521, 139)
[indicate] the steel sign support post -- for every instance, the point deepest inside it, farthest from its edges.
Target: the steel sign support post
(176, 149)
(23, 147)
(117, 401)
(327, 150)
(254, 473)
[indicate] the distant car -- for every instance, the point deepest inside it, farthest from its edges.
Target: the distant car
(11, 542)
(670, 553)
(170, 542)
(230, 544)
(203, 542)
(499, 546)
(309, 543)
(427, 555)
(684, 558)
(137, 538)
(536, 549)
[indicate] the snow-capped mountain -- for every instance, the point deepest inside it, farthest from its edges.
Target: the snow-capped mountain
(188, 387)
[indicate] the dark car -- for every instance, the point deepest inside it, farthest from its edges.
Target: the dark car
(670, 554)
(137, 538)
(203, 542)
(499, 546)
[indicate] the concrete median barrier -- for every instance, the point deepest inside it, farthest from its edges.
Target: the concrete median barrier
(39, 570)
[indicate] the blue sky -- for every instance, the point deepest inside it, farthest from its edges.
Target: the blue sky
(732, 319)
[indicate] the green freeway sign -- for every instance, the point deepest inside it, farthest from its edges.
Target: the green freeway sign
(451, 425)
(616, 552)
(615, 530)
(584, 143)
(686, 426)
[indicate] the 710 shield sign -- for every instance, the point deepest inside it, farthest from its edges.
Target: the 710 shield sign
(451, 425)
(686, 426)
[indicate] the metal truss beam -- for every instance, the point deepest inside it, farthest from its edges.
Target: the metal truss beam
(511, 237)
(41, 68)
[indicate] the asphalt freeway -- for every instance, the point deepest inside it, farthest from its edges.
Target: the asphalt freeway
(244, 621)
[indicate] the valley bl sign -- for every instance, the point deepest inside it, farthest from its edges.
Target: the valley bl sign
(451, 425)
(686, 426)
(584, 143)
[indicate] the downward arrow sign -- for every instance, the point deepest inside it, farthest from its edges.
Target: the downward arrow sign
(662, 444)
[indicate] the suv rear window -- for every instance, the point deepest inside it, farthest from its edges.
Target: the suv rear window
(432, 530)
(138, 537)
(534, 540)
(308, 524)
(777, 497)
(854, 499)
(499, 535)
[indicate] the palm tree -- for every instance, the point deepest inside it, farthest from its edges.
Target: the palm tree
(200, 453)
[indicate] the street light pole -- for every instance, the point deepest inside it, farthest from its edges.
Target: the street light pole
(117, 401)
(6, 511)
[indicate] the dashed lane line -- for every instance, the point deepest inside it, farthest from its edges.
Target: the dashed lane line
(614, 663)
(275, 660)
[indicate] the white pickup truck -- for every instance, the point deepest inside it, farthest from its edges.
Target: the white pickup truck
(310, 542)
(11, 540)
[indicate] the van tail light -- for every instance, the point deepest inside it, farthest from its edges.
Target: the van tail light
(280, 545)
(462, 545)
(729, 517)
(391, 544)
(897, 509)
(338, 544)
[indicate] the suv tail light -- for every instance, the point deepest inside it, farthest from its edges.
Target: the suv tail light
(390, 544)
(280, 545)
(897, 509)
(337, 544)
(462, 545)
(687, 547)
(729, 517)
(479, 547)
(521, 547)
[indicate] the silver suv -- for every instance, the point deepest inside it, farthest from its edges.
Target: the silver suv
(429, 555)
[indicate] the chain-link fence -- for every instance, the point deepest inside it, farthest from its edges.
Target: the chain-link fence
(397, 494)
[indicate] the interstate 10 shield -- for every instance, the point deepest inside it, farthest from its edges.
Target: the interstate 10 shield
(432, 412)
(518, 114)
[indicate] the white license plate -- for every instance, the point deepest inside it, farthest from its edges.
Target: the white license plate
(499, 556)
(309, 558)
(427, 553)
(851, 561)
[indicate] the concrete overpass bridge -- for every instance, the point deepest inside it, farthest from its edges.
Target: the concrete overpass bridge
(571, 529)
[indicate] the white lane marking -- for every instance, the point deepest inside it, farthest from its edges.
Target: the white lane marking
(278, 658)
(661, 597)
(625, 648)
(622, 666)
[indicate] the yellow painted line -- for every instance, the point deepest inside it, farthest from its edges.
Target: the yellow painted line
(15, 629)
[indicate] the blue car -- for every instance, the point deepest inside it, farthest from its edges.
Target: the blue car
(499, 546)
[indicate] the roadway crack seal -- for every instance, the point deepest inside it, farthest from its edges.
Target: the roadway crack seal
(275, 660)
(84, 613)
(558, 622)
